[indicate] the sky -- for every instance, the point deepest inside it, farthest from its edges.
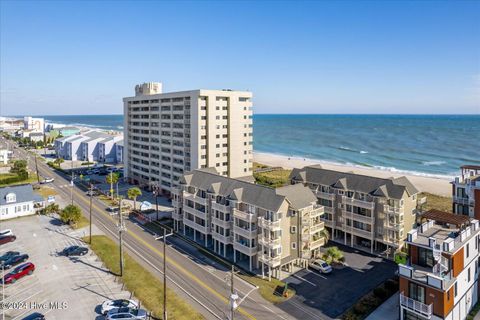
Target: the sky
(296, 57)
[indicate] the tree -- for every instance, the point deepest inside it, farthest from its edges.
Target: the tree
(333, 254)
(324, 233)
(71, 214)
(132, 194)
(58, 162)
(112, 178)
(18, 166)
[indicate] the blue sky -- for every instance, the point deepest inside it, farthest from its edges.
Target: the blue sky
(296, 57)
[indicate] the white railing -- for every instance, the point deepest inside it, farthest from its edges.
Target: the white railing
(325, 195)
(463, 200)
(245, 232)
(220, 207)
(317, 227)
(221, 238)
(189, 196)
(272, 243)
(267, 224)
(358, 203)
(273, 262)
(417, 306)
(390, 209)
(249, 217)
(317, 243)
(221, 222)
(249, 251)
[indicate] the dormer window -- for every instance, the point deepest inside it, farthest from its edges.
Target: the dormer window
(11, 197)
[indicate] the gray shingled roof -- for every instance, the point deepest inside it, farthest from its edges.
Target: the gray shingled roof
(258, 195)
(393, 188)
(23, 193)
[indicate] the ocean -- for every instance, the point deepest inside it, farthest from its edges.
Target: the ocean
(430, 145)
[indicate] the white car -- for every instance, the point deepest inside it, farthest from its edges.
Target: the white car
(110, 305)
(6, 232)
(320, 266)
(126, 314)
(47, 180)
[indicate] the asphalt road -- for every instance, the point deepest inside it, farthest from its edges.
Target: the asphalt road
(203, 284)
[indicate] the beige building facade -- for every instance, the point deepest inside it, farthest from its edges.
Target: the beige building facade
(360, 210)
(258, 227)
(167, 134)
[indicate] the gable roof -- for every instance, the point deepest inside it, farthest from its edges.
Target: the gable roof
(264, 197)
(380, 187)
(23, 193)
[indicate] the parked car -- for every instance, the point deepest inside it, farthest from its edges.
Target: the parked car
(6, 232)
(127, 313)
(75, 251)
(19, 272)
(7, 239)
(320, 266)
(13, 261)
(35, 316)
(7, 255)
(113, 210)
(47, 180)
(109, 305)
(92, 193)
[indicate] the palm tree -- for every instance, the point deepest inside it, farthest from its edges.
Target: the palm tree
(324, 233)
(112, 178)
(132, 194)
(333, 255)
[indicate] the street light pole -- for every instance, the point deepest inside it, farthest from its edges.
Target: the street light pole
(90, 210)
(71, 183)
(3, 291)
(121, 228)
(164, 273)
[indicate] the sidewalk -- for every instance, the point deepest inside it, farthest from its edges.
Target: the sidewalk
(388, 310)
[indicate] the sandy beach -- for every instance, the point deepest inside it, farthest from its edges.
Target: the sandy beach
(439, 186)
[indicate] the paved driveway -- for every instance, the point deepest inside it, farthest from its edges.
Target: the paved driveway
(329, 296)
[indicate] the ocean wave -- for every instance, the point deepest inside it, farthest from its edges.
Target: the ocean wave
(351, 150)
(433, 163)
(363, 152)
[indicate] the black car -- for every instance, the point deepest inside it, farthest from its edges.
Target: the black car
(7, 255)
(35, 316)
(13, 261)
(75, 251)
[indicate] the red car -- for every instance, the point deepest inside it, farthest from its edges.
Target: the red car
(7, 239)
(19, 272)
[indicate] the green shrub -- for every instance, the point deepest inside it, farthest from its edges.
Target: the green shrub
(71, 214)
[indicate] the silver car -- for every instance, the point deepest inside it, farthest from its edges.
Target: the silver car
(126, 313)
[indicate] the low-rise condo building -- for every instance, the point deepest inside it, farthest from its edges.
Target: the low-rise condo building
(34, 124)
(361, 210)
(167, 134)
(440, 278)
(466, 192)
(260, 227)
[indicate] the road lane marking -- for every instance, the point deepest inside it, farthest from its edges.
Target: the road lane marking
(159, 253)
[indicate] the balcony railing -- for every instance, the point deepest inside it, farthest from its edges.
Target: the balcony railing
(192, 224)
(359, 203)
(189, 196)
(358, 217)
(267, 224)
(220, 222)
(249, 251)
(245, 232)
(325, 195)
(272, 243)
(394, 210)
(317, 243)
(463, 200)
(220, 207)
(176, 216)
(416, 306)
(273, 262)
(359, 232)
(222, 238)
(317, 227)
(195, 212)
(249, 217)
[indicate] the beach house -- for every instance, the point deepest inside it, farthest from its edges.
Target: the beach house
(263, 229)
(362, 211)
(466, 192)
(18, 201)
(440, 278)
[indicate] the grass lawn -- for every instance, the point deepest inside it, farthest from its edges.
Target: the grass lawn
(83, 222)
(474, 312)
(274, 179)
(437, 202)
(146, 287)
(267, 288)
(32, 178)
(45, 192)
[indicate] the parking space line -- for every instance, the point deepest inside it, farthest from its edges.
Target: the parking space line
(303, 279)
(316, 274)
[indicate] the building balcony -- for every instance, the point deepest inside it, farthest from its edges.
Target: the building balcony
(195, 212)
(272, 243)
(359, 232)
(393, 226)
(437, 280)
(272, 262)
(245, 216)
(358, 217)
(392, 210)
(358, 203)
(317, 243)
(328, 210)
(249, 251)
(220, 207)
(325, 195)
(222, 238)
(176, 216)
(245, 232)
(317, 211)
(200, 200)
(203, 229)
(328, 223)
(464, 200)
(267, 224)
(221, 223)
(416, 306)
(317, 227)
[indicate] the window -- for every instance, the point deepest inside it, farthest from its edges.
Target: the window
(455, 290)
(416, 292)
(11, 197)
(425, 257)
(294, 245)
(468, 249)
(468, 275)
(293, 229)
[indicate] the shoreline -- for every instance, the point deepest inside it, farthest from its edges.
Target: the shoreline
(438, 185)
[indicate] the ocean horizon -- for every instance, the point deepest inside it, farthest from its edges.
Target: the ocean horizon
(427, 145)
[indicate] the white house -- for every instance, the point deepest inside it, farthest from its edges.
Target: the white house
(34, 124)
(5, 156)
(18, 201)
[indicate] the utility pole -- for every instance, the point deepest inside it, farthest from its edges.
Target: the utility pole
(155, 193)
(164, 273)
(90, 210)
(3, 291)
(233, 295)
(121, 228)
(36, 168)
(71, 183)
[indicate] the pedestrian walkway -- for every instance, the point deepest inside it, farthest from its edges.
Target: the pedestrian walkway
(387, 310)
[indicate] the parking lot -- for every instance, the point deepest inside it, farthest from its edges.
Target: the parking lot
(327, 296)
(61, 287)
